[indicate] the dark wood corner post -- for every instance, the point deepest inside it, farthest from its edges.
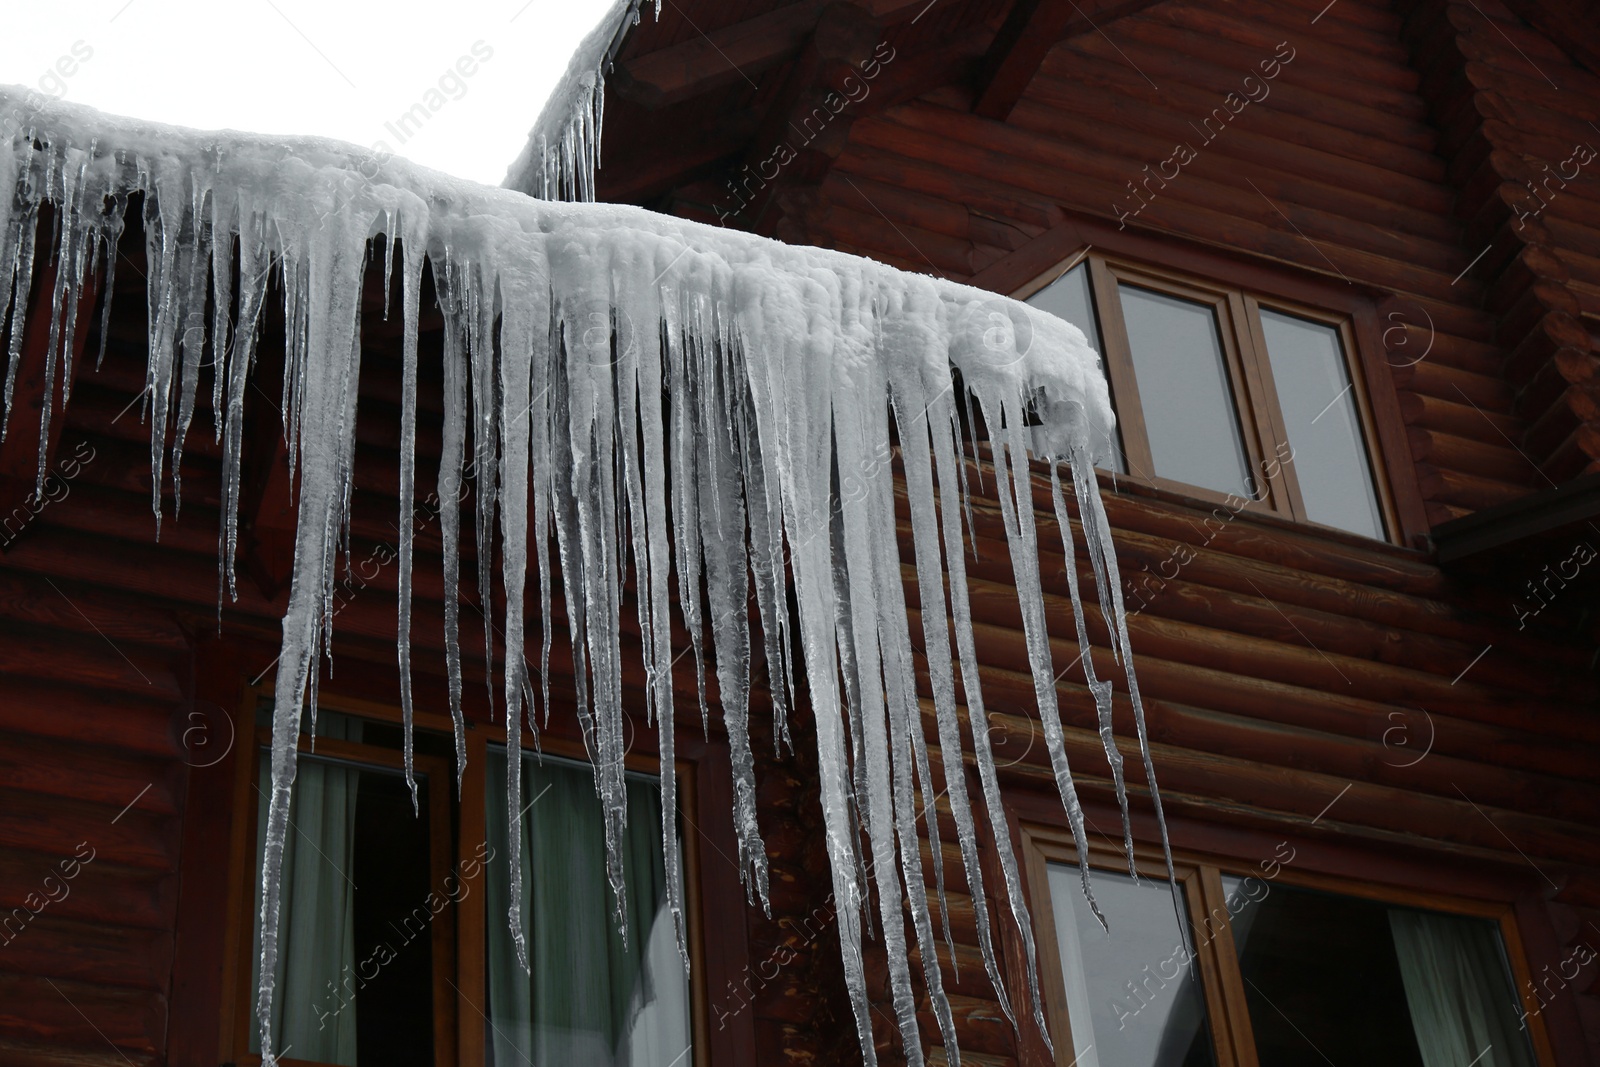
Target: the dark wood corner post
(214, 734)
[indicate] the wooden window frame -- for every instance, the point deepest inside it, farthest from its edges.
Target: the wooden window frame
(1261, 426)
(1226, 1006)
(1043, 259)
(459, 985)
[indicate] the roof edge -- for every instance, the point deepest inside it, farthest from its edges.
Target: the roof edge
(563, 150)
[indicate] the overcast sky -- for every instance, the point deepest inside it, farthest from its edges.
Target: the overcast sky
(329, 67)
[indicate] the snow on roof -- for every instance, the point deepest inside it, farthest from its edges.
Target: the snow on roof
(585, 344)
(563, 149)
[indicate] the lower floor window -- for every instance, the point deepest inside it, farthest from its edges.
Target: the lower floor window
(394, 942)
(592, 996)
(1272, 973)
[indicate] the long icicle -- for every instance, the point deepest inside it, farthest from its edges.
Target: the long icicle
(639, 388)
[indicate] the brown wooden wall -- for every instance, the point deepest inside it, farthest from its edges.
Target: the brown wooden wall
(1275, 663)
(119, 695)
(1364, 165)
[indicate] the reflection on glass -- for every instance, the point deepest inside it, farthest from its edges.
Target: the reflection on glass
(1187, 402)
(354, 978)
(1131, 998)
(592, 998)
(1323, 423)
(1428, 989)
(1069, 298)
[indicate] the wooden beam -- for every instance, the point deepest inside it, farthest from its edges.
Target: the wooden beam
(807, 123)
(709, 61)
(1031, 30)
(735, 53)
(1569, 24)
(653, 168)
(1516, 522)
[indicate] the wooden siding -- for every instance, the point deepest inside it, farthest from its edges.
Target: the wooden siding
(1344, 170)
(1515, 108)
(1282, 665)
(109, 641)
(1277, 665)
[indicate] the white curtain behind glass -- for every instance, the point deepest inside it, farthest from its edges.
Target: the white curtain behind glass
(1463, 1006)
(317, 925)
(591, 998)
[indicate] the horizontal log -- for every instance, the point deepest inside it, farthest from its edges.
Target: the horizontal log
(1467, 490)
(1199, 698)
(1301, 794)
(39, 1053)
(76, 1015)
(1339, 45)
(1286, 173)
(50, 826)
(1491, 458)
(1454, 417)
(130, 722)
(85, 772)
(97, 954)
(1303, 113)
(90, 661)
(1223, 191)
(100, 892)
(1097, 193)
(1436, 379)
(1340, 78)
(64, 606)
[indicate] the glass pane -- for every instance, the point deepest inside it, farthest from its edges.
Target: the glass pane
(1069, 297)
(592, 997)
(1323, 422)
(355, 959)
(1428, 988)
(1130, 996)
(1184, 390)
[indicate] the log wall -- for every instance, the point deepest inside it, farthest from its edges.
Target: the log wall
(1283, 668)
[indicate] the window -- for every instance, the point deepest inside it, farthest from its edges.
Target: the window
(1228, 393)
(1279, 968)
(394, 946)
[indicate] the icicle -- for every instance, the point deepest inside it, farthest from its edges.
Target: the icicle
(411, 280)
(1101, 691)
(1097, 534)
(254, 266)
(914, 416)
(332, 317)
(943, 424)
(1004, 418)
(522, 315)
(650, 393)
(21, 255)
(451, 456)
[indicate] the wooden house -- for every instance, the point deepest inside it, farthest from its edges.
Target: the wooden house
(1342, 261)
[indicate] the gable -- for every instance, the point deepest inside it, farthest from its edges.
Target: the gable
(1400, 153)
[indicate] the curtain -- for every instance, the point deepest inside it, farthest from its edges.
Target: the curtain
(314, 1012)
(1460, 994)
(591, 997)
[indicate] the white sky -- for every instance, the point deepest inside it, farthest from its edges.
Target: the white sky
(328, 67)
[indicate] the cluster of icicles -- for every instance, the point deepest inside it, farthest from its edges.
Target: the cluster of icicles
(769, 379)
(562, 152)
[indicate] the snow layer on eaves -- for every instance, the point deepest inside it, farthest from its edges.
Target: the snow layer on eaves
(591, 349)
(563, 150)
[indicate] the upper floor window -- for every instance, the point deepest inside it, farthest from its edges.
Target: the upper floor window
(1220, 390)
(1273, 973)
(394, 945)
